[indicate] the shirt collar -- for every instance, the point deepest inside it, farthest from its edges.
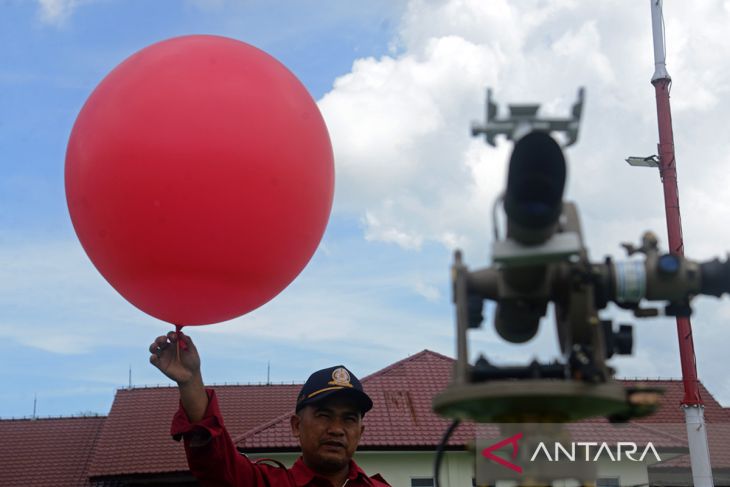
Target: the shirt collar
(304, 475)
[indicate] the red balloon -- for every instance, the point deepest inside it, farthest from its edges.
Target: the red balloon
(199, 178)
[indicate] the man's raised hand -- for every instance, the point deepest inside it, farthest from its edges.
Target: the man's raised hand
(181, 365)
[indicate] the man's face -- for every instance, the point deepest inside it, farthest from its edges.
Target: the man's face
(328, 432)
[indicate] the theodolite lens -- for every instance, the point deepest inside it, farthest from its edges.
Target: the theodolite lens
(715, 277)
(533, 201)
(517, 321)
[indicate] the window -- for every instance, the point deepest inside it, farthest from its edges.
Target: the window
(421, 481)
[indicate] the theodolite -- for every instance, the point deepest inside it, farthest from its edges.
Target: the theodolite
(542, 258)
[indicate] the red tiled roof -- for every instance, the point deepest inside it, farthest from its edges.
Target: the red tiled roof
(136, 436)
(46, 452)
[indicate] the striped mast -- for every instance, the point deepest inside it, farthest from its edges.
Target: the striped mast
(692, 402)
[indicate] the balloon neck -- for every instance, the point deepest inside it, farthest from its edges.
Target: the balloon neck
(180, 343)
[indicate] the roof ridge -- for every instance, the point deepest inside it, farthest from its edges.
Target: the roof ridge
(705, 394)
(46, 418)
(95, 452)
(256, 384)
(656, 379)
(213, 384)
(268, 424)
(264, 426)
(410, 358)
(91, 456)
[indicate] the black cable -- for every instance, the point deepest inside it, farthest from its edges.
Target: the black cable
(440, 451)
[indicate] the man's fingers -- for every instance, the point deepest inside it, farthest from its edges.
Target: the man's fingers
(186, 340)
(164, 345)
(174, 336)
(159, 344)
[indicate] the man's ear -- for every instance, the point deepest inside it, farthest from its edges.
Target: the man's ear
(295, 421)
(362, 428)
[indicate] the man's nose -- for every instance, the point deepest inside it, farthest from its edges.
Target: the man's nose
(336, 427)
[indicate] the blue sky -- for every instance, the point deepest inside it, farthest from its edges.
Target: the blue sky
(398, 83)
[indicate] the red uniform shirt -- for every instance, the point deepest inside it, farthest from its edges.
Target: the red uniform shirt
(214, 460)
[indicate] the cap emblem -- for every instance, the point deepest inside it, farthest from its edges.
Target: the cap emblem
(340, 377)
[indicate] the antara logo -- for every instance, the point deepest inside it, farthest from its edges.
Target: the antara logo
(512, 440)
(628, 449)
(589, 451)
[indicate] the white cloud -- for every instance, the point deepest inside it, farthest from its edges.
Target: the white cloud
(574, 45)
(47, 339)
(400, 123)
(377, 230)
(428, 291)
(57, 12)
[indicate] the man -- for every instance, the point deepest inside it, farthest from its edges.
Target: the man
(327, 422)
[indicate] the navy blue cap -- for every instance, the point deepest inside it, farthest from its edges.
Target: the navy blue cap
(333, 380)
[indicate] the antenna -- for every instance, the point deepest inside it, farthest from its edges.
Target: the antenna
(268, 373)
(35, 403)
(130, 376)
(524, 118)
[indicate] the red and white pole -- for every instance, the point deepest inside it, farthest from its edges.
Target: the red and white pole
(692, 403)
